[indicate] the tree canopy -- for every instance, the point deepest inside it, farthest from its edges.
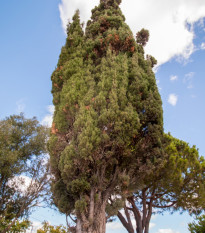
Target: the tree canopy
(22, 146)
(178, 184)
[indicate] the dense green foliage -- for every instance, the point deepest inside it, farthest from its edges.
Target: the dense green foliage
(198, 227)
(17, 227)
(107, 127)
(142, 37)
(22, 141)
(178, 184)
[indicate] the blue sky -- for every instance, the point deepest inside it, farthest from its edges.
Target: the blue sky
(32, 34)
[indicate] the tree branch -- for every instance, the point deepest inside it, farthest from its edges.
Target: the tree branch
(165, 206)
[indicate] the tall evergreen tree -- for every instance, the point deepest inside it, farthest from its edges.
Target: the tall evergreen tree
(107, 126)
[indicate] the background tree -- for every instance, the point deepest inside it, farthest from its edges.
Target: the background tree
(23, 173)
(177, 185)
(198, 227)
(18, 227)
(107, 126)
(47, 228)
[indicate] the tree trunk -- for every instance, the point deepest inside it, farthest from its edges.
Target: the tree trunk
(94, 220)
(146, 230)
(97, 224)
(149, 215)
(78, 226)
(139, 226)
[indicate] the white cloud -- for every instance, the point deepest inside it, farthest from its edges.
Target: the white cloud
(151, 225)
(167, 231)
(173, 77)
(203, 46)
(20, 106)
(114, 226)
(188, 79)
(173, 99)
(47, 120)
(154, 216)
(167, 21)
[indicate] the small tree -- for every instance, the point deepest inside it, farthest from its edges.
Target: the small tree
(23, 173)
(47, 228)
(177, 185)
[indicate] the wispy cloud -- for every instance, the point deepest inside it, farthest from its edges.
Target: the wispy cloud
(173, 78)
(203, 46)
(173, 98)
(171, 23)
(114, 226)
(188, 80)
(167, 231)
(193, 96)
(20, 106)
(47, 120)
(151, 225)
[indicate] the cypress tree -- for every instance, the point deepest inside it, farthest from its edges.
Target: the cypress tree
(107, 125)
